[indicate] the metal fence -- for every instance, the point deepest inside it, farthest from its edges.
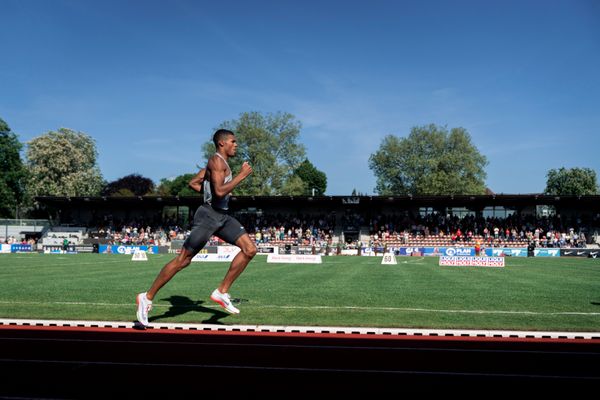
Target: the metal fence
(25, 222)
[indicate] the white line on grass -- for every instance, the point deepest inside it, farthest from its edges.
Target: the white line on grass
(246, 305)
(414, 261)
(74, 263)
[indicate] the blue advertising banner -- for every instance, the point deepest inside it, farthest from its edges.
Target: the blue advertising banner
(19, 248)
(546, 252)
(449, 251)
(434, 251)
(506, 251)
(459, 251)
(122, 249)
(410, 251)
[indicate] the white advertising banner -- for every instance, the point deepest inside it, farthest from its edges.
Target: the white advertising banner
(213, 257)
(466, 261)
(294, 258)
(224, 254)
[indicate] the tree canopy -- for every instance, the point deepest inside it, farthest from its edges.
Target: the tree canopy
(572, 181)
(270, 144)
(13, 173)
(312, 178)
(430, 161)
(63, 163)
(130, 185)
(176, 187)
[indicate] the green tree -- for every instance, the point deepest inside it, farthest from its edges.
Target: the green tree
(571, 181)
(13, 175)
(130, 185)
(176, 187)
(312, 177)
(270, 144)
(63, 163)
(294, 186)
(430, 161)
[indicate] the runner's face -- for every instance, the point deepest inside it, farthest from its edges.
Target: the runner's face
(230, 145)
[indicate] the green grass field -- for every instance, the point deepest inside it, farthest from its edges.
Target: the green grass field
(558, 294)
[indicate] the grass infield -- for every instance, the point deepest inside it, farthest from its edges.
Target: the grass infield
(546, 294)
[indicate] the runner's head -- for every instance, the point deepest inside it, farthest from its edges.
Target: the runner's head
(225, 142)
(221, 136)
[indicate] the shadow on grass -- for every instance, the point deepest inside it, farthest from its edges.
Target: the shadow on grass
(182, 305)
(595, 303)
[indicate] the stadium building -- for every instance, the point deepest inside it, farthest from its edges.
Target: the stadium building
(328, 222)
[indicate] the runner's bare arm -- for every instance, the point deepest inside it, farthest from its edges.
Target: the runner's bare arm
(196, 182)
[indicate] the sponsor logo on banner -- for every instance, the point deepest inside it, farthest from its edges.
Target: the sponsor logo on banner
(267, 249)
(19, 248)
(5, 248)
(294, 258)
(546, 252)
(506, 251)
(466, 261)
(411, 251)
(353, 252)
(210, 250)
(228, 250)
(213, 257)
(364, 251)
(52, 250)
(519, 252)
(122, 249)
(459, 251)
(578, 253)
(125, 250)
(434, 251)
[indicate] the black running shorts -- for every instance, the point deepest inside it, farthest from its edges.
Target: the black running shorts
(208, 222)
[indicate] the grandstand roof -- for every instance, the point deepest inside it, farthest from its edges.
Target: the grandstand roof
(241, 202)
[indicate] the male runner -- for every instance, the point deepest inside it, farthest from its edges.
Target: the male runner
(211, 218)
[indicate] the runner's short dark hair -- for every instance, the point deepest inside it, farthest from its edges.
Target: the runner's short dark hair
(221, 134)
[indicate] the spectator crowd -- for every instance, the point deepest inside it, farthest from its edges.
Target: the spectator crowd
(541, 232)
(396, 229)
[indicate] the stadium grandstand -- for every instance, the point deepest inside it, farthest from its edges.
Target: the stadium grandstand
(325, 224)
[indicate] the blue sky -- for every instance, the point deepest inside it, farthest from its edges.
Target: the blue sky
(151, 80)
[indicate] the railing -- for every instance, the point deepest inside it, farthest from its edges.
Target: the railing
(25, 222)
(14, 227)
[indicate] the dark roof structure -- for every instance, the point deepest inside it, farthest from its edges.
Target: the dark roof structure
(242, 202)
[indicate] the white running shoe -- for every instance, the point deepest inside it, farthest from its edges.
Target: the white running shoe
(224, 300)
(143, 308)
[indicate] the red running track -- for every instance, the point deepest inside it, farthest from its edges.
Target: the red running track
(66, 362)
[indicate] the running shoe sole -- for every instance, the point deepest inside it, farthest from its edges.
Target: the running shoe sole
(222, 304)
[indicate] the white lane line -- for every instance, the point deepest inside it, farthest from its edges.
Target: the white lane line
(284, 307)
